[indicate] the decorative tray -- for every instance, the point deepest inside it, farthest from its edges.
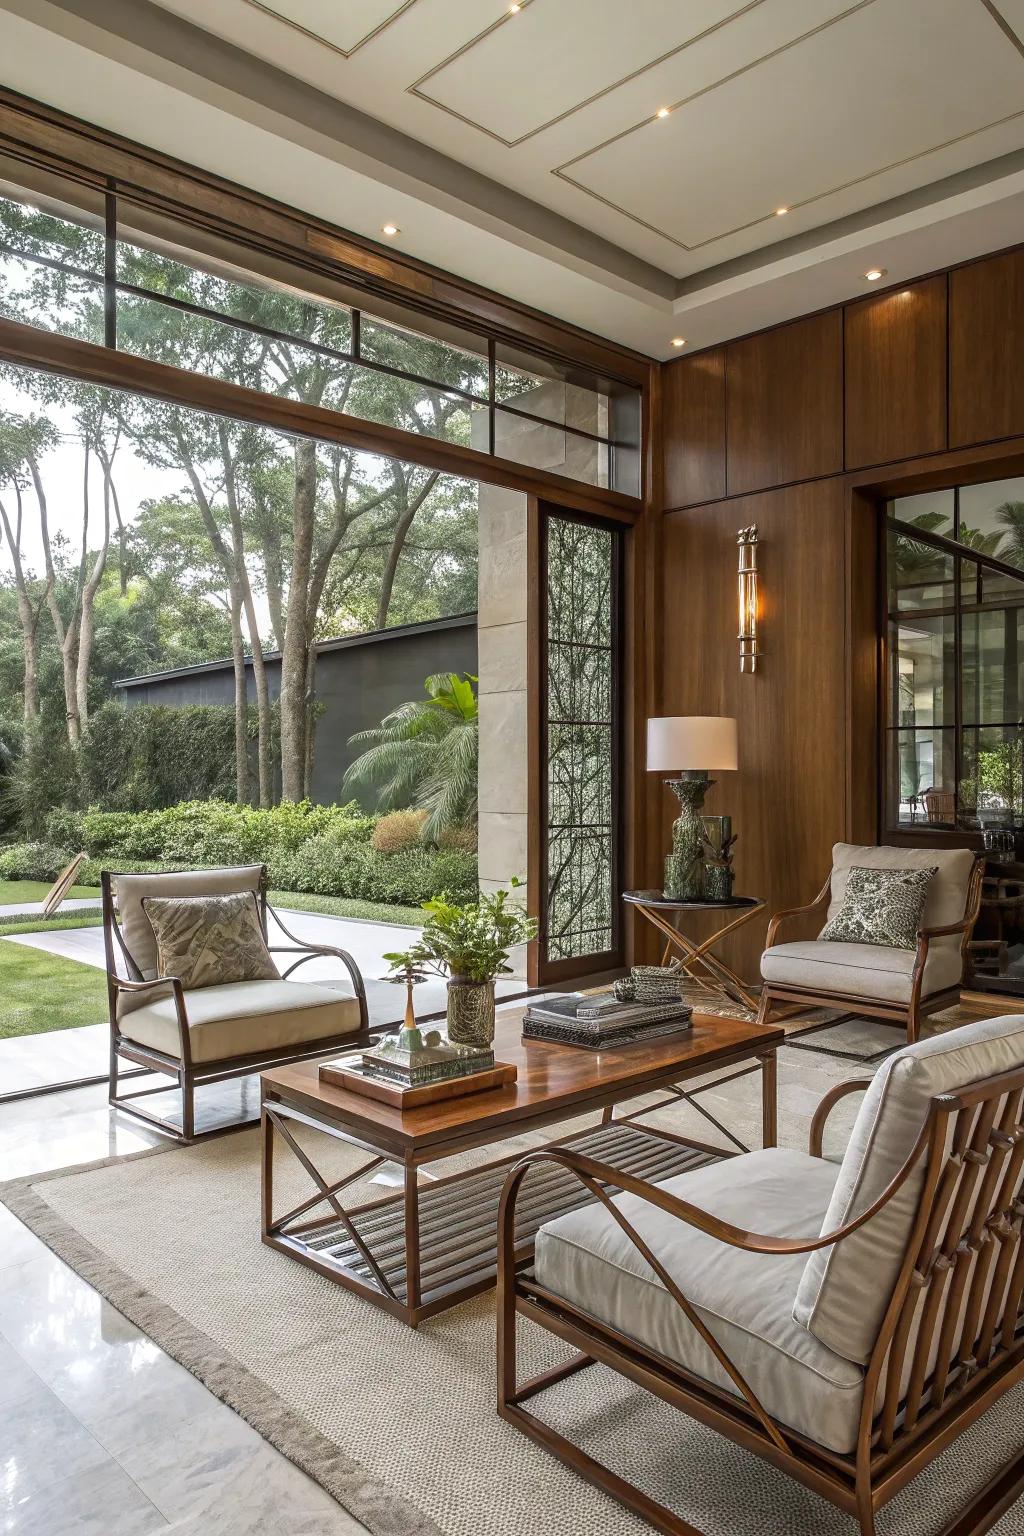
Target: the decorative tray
(353, 1076)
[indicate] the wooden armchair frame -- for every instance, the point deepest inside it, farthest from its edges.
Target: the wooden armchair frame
(188, 1074)
(795, 999)
(966, 1232)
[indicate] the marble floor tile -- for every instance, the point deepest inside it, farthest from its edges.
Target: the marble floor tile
(63, 1321)
(100, 1502)
(42, 1439)
(17, 1243)
(264, 1495)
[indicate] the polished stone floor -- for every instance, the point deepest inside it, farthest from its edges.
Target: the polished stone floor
(101, 1433)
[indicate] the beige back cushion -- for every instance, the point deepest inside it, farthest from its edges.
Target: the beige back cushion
(845, 1289)
(946, 901)
(137, 930)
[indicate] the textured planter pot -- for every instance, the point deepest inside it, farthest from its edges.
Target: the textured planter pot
(470, 1011)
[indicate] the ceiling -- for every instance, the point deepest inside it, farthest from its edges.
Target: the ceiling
(525, 150)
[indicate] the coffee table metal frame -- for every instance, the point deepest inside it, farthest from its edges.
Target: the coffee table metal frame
(425, 1249)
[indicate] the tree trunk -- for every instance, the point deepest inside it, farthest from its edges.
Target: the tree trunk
(259, 671)
(241, 698)
(67, 638)
(87, 627)
(28, 616)
(401, 533)
(295, 652)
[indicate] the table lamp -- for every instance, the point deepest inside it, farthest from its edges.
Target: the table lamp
(687, 747)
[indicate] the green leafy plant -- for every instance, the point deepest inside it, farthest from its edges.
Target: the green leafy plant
(471, 940)
(424, 755)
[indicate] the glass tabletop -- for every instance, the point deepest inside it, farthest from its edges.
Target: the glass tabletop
(659, 899)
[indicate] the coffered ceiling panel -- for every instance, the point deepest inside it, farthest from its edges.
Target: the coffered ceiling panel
(883, 86)
(530, 69)
(342, 24)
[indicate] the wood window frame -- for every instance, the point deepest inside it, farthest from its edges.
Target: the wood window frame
(51, 147)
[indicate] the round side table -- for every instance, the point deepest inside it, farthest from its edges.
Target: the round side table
(699, 960)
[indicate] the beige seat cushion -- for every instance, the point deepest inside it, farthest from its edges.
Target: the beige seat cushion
(242, 1018)
(844, 1290)
(746, 1300)
(859, 970)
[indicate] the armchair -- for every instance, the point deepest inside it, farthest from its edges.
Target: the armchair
(845, 1322)
(209, 1034)
(898, 985)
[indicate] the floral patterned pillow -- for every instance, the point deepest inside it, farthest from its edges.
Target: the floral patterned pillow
(881, 906)
(208, 940)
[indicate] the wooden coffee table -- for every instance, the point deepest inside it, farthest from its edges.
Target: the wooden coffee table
(428, 1247)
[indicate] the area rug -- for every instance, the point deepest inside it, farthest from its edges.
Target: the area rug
(400, 1426)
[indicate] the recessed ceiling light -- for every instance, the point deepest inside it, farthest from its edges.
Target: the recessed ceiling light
(679, 341)
(874, 273)
(663, 112)
(514, 10)
(390, 229)
(780, 211)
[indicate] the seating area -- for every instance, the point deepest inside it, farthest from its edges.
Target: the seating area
(511, 768)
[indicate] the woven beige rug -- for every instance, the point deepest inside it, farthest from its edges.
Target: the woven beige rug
(400, 1426)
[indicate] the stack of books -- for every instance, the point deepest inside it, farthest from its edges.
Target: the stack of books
(599, 1020)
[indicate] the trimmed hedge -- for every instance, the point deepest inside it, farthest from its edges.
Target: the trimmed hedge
(157, 755)
(319, 849)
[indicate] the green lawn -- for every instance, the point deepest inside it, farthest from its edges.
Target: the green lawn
(347, 906)
(82, 917)
(25, 891)
(40, 992)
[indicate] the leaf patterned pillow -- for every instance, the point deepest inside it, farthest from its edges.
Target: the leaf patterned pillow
(881, 906)
(208, 940)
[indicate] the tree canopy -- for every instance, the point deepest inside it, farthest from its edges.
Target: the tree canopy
(136, 535)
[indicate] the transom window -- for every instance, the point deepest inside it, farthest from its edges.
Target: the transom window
(955, 681)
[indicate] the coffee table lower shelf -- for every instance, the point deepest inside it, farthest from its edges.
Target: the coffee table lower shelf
(435, 1244)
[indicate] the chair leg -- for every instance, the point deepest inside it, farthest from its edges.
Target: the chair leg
(188, 1108)
(913, 1022)
(112, 1073)
(764, 1007)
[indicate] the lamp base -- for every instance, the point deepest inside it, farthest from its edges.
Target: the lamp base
(684, 866)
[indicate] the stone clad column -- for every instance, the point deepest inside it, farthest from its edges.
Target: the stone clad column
(501, 646)
(502, 613)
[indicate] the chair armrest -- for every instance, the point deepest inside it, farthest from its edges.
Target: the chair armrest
(825, 1108)
(119, 984)
(595, 1175)
(788, 912)
(940, 933)
(309, 951)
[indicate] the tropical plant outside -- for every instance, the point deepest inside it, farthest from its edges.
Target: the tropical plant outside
(424, 755)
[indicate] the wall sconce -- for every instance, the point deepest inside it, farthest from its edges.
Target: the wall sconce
(746, 541)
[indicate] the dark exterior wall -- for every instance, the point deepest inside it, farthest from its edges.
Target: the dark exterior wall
(357, 681)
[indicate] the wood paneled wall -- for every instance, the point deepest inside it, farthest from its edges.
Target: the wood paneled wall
(914, 370)
(785, 429)
(787, 798)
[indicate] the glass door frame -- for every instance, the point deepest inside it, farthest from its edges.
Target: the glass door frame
(889, 819)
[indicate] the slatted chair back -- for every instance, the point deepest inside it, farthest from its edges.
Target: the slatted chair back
(845, 1288)
(955, 1321)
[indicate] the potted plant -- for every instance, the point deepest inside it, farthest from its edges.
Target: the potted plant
(470, 945)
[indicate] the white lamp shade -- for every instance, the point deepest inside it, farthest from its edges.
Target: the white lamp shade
(675, 742)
